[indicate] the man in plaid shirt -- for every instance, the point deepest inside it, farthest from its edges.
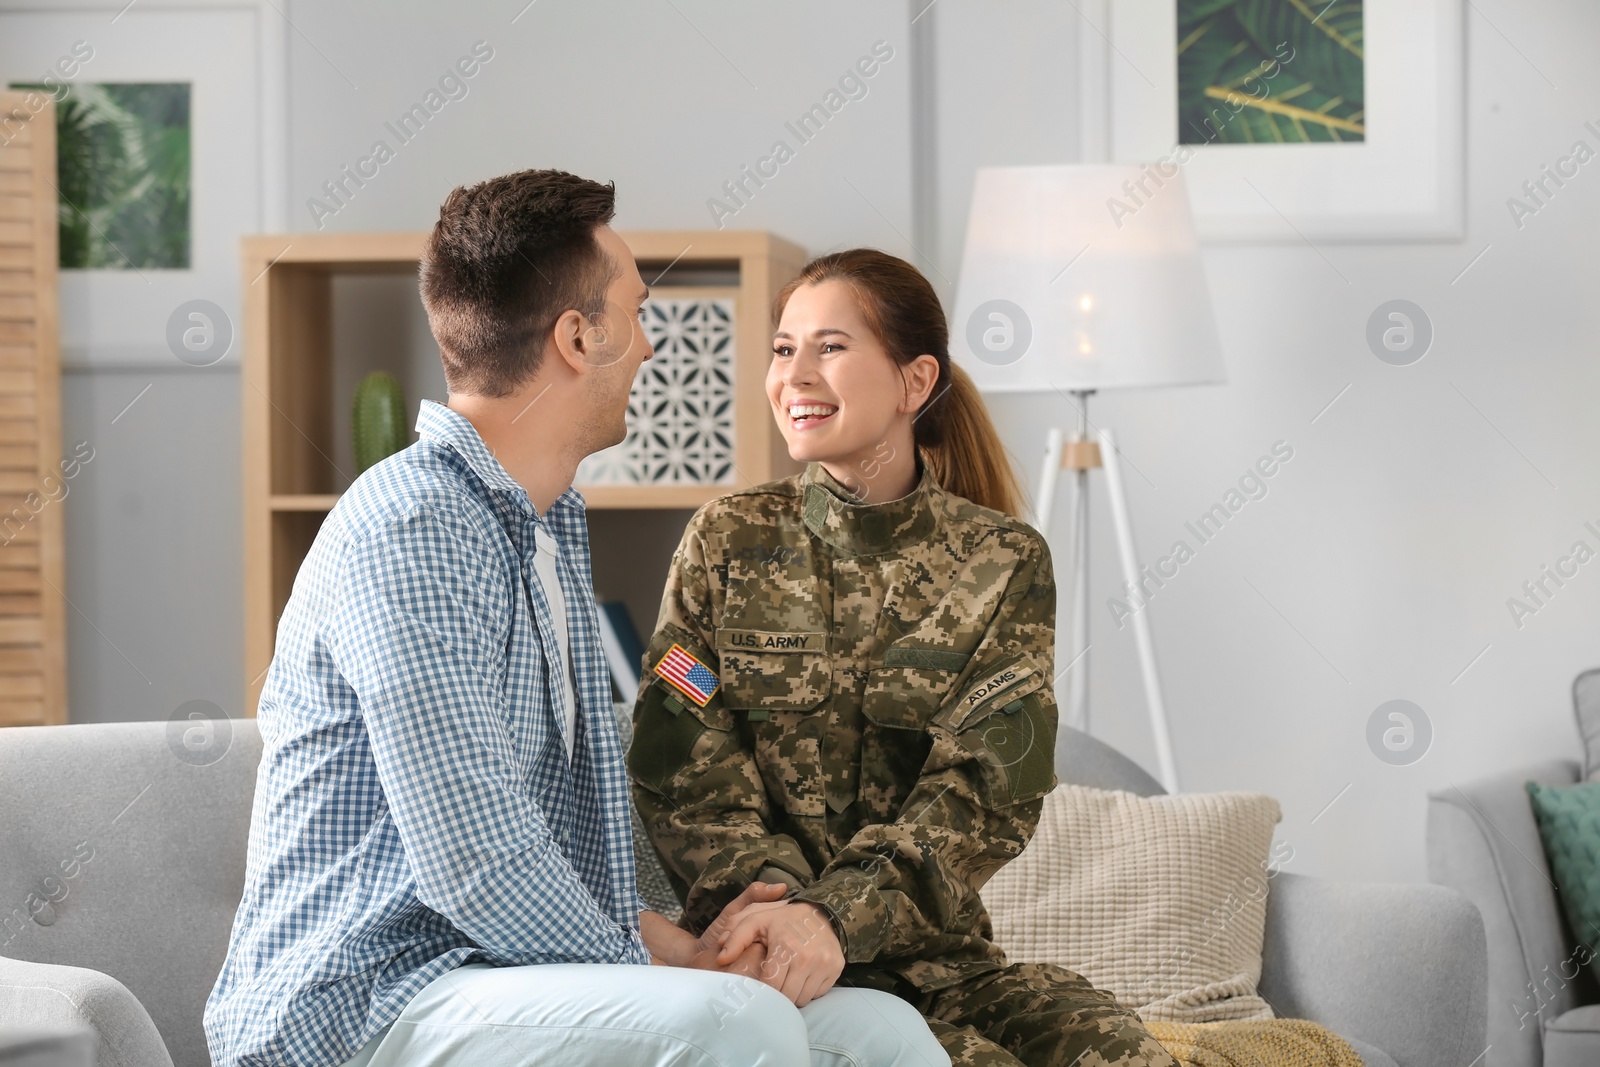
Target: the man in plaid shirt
(441, 865)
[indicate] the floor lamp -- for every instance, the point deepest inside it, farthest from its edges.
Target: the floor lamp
(1076, 279)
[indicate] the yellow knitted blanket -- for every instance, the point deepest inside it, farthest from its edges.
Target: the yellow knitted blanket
(1267, 1043)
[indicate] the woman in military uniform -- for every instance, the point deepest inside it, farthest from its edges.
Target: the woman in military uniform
(850, 687)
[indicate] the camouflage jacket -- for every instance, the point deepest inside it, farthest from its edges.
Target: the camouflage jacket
(884, 729)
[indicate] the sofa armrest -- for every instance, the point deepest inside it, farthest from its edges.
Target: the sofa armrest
(1399, 967)
(51, 996)
(1483, 842)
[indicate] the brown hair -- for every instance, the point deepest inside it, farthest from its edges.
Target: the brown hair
(952, 430)
(507, 258)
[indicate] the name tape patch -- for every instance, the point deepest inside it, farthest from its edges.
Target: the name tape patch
(772, 641)
(998, 682)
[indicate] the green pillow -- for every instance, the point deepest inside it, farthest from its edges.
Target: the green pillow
(1569, 823)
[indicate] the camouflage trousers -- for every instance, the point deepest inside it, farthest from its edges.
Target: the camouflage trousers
(1037, 1015)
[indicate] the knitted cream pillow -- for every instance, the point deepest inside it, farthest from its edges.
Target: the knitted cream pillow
(1160, 900)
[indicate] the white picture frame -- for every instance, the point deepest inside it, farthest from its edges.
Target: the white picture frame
(117, 319)
(1404, 182)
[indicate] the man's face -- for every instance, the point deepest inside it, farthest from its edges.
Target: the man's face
(616, 345)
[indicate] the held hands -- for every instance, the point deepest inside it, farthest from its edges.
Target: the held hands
(673, 947)
(803, 957)
(707, 953)
(788, 946)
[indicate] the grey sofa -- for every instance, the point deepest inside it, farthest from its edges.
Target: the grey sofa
(122, 851)
(1544, 1007)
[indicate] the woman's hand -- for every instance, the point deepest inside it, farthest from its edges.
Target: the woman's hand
(674, 947)
(749, 964)
(804, 957)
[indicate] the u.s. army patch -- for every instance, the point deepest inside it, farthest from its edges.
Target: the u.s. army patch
(687, 675)
(772, 641)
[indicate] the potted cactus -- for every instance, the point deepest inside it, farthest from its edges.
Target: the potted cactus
(378, 420)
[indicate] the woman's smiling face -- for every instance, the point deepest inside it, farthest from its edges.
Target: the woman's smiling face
(835, 390)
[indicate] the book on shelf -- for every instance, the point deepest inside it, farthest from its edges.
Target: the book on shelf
(623, 648)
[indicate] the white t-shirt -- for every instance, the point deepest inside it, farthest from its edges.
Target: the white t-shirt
(544, 568)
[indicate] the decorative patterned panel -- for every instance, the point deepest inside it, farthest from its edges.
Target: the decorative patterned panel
(680, 412)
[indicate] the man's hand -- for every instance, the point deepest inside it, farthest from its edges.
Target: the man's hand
(708, 949)
(673, 947)
(804, 957)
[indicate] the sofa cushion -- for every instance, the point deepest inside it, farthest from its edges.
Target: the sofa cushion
(128, 856)
(1160, 900)
(1573, 1039)
(1569, 826)
(1085, 760)
(1372, 1057)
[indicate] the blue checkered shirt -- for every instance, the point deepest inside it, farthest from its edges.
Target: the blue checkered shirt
(415, 808)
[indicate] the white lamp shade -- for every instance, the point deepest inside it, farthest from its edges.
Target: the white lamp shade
(1083, 277)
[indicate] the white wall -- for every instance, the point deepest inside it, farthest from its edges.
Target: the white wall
(154, 554)
(1392, 539)
(667, 105)
(1389, 543)
(667, 100)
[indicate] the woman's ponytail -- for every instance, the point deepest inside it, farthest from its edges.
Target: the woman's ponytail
(953, 430)
(968, 458)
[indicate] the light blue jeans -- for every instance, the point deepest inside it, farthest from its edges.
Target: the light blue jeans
(596, 1015)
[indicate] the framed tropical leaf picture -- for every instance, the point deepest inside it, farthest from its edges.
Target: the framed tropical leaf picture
(1292, 120)
(163, 161)
(1270, 72)
(122, 172)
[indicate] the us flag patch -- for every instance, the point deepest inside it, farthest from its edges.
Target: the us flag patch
(688, 675)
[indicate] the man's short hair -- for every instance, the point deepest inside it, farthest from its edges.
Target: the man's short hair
(507, 258)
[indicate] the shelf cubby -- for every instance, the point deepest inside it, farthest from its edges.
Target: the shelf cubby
(321, 310)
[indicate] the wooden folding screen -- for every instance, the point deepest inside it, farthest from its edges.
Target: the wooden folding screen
(32, 602)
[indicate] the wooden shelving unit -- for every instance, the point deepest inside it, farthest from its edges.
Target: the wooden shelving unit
(33, 630)
(288, 408)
